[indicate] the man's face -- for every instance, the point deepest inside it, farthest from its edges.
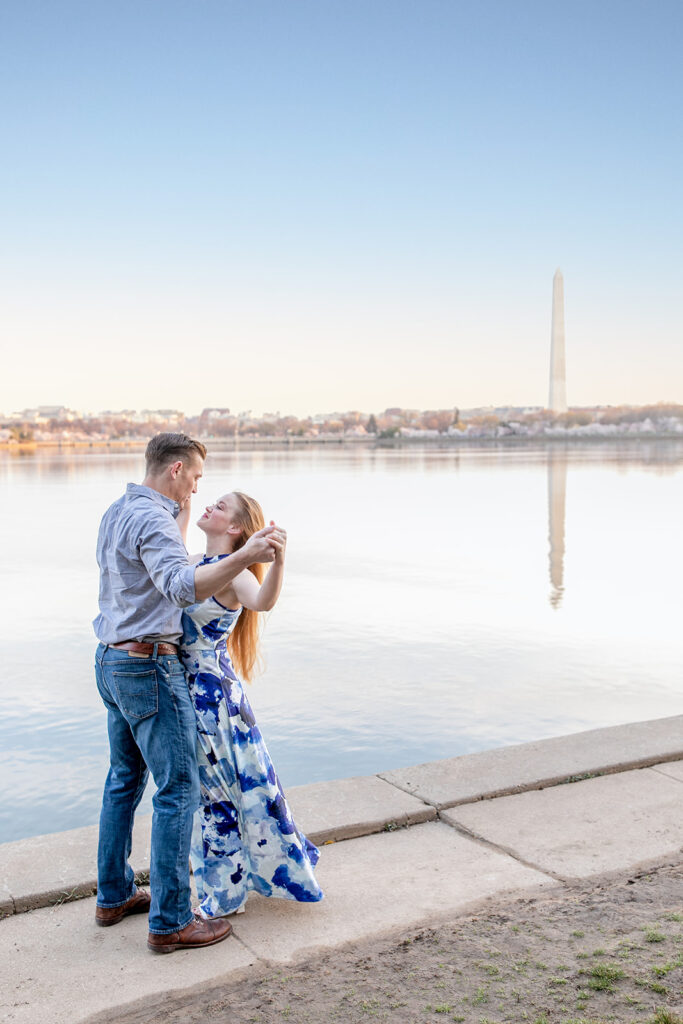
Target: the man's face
(185, 476)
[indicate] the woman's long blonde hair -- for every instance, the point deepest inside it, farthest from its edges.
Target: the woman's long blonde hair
(243, 642)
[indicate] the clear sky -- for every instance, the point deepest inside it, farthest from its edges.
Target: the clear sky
(317, 205)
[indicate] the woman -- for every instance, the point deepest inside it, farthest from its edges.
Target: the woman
(244, 836)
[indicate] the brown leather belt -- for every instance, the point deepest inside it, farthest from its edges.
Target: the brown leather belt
(147, 649)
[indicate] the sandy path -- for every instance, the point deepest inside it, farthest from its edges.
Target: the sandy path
(604, 952)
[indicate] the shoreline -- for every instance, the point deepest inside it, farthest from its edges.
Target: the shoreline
(445, 443)
(59, 867)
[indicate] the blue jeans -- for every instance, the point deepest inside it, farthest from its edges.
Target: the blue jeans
(152, 727)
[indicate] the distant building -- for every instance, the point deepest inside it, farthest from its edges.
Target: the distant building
(209, 416)
(52, 412)
(110, 414)
(46, 413)
(171, 416)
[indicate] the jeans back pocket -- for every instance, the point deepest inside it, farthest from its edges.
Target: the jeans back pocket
(137, 691)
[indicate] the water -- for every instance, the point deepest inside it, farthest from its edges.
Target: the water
(435, 603)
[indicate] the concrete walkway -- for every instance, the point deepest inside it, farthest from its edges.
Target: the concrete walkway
(404, 850)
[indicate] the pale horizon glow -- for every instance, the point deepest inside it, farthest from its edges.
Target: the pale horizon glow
(310, 207)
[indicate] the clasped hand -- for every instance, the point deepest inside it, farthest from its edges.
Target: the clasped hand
(268, 544)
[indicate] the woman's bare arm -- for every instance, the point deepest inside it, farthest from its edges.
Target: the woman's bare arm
(246, 589)
(214, 577)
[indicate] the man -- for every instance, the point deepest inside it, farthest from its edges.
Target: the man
(145, 581)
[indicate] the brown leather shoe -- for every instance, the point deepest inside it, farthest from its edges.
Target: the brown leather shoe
(197, 933)
(137, 904)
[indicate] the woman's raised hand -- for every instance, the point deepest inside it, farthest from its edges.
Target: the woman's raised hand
(278, 541)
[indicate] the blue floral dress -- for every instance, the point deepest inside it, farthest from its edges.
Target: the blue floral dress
(244, 837)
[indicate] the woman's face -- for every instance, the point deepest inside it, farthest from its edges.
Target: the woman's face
(221, 517)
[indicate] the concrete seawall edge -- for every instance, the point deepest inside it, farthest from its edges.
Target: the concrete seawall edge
(59, 867)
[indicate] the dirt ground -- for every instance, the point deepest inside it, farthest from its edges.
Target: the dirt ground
(604, 952)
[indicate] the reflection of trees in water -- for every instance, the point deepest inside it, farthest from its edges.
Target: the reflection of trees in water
(557, 490)
(359, 458)
(69, 464)
(662, 457)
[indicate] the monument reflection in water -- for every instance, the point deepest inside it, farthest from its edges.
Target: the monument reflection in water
(557, 492)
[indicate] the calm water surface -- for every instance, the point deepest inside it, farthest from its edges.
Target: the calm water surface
(435, 603)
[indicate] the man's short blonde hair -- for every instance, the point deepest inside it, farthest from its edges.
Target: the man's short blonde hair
(164, 449)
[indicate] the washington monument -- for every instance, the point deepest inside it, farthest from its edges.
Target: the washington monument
(557, 401)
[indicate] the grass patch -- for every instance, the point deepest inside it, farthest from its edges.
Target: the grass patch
(72, 896)
(603, 976)
(584, 1020)
(664, 969)
(652, 935)
(654, 986)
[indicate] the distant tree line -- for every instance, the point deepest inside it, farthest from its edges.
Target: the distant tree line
(391, 422)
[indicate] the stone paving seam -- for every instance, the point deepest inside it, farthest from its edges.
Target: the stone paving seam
(250, 951)
(506, 850)
(655, 768)
(548, 783)
(523, 787)
(405, 789)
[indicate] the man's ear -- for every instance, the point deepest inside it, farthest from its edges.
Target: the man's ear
(175, 468)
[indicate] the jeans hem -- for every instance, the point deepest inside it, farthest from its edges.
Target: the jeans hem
(170, 931)
(112, 906)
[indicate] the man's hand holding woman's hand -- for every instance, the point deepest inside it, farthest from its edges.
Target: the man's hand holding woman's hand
(267, 544)
(258, 546)
(278, 541)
